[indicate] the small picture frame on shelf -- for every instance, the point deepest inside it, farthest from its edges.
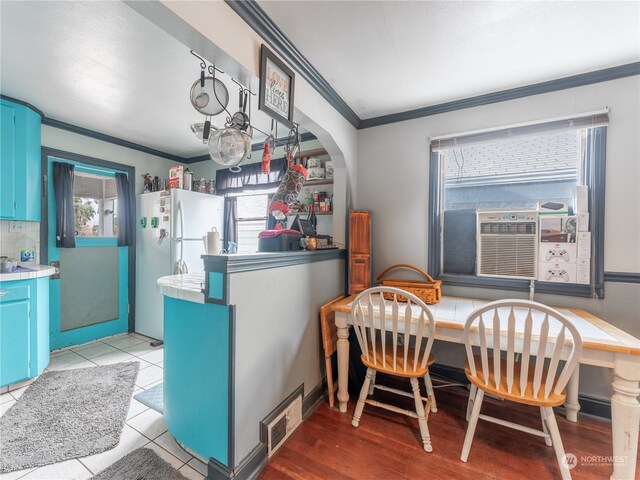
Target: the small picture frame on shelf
(328, 169)
(315, 173)
(277, 83)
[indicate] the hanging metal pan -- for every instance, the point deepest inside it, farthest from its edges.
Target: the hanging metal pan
(209, 96)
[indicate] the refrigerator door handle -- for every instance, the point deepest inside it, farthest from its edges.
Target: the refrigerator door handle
(181, 217)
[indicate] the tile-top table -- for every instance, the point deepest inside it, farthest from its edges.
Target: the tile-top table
(603, 345)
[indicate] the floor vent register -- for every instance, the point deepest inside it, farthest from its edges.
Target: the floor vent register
(285, 422)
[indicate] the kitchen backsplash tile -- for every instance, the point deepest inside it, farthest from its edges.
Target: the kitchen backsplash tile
(9, 239)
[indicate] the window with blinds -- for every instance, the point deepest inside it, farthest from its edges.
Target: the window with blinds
(512, 169)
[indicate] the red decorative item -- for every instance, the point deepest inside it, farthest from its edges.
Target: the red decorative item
(288, 191)
(266, 159)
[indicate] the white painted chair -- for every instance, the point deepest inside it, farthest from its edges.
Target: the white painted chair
(541, 334)
(396, 342)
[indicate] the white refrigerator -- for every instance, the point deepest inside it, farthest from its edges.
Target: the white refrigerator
(171, 224)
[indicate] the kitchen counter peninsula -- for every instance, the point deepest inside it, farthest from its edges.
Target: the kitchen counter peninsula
(242, 342)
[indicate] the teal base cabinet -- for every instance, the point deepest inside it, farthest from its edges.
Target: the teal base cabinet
(197, 376)
(24, 329)
(20, 167)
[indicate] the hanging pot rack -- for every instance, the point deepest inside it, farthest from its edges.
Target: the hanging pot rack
(241, 119)
(212, 69)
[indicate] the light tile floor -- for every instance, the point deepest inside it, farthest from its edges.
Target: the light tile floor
(144, 427)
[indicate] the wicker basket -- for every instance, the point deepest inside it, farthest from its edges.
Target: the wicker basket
(428, 291)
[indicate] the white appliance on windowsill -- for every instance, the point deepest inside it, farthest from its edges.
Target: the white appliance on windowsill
(507, 244)
(170, 227)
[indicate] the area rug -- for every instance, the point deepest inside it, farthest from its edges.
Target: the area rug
(153, 398)
(141, 464)
(67, 414)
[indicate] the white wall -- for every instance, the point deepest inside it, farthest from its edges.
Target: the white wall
(278, 342)
(393, 180)
(393, 168)
(238, 53)
(82, 145)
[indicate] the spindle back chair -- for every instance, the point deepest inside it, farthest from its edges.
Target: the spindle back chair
(395, 338)
(542, 337)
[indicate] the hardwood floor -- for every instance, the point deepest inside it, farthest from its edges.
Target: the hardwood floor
(387, 445)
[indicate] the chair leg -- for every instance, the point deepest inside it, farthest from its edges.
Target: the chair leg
(543, 416)
(363, 396)
(422, 418)
(472, 397)
(373, 382)
(430, 394)
(471, 428)
(330, 387)
(557, 443)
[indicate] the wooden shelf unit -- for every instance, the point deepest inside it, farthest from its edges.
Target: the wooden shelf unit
(359, 251)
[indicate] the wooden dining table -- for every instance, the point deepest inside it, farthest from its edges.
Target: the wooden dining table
(603, 345)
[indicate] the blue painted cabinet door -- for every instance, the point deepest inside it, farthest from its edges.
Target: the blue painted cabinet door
(7, 163)
(14, 341)
(20, 163)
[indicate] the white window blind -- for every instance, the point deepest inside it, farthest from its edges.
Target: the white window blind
(575, 122)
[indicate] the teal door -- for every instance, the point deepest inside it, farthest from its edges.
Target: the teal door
(89, 300)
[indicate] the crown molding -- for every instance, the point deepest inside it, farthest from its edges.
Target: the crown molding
(579, 80)
(259, 21)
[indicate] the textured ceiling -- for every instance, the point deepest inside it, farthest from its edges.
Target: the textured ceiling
(385, 57)
(102, 66)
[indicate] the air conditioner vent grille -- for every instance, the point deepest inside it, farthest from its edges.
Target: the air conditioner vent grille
(508, 228)
(507, 244)
(520, 261)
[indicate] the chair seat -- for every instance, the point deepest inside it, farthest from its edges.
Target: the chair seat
(399, 370)
(527, 398)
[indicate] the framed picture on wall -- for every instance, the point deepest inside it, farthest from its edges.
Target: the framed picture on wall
(276, 87)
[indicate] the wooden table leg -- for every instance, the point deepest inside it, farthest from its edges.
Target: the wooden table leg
(343, 360)
(625, 415)
(571, 405)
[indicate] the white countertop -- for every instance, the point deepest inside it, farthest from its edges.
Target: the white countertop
(183, 287)
(37, 272)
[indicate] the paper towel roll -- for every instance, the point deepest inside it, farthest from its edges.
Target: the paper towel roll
(213, 243)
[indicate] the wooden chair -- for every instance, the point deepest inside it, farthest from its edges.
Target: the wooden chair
(543, 333)
(329, 341)
(396, 342)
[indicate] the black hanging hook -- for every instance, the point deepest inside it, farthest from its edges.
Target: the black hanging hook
(203, 64)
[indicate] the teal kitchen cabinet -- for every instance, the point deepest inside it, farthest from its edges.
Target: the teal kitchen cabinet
(24, 329)
(20, 170)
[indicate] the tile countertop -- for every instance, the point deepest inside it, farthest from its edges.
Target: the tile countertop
(183, 287)
(36, 271)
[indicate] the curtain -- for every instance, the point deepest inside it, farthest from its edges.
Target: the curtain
(65, 218)
(250, 177)
(230, 221)
(125, 211)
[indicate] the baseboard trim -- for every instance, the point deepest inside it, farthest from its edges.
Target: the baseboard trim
(311, 401)
(594, 407)
(258, 458)
(248, 468)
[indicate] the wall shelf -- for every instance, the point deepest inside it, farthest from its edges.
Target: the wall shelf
(310, 183)
(307, 213)
(313, 153)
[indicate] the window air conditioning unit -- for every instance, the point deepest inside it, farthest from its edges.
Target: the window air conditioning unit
(507, 244)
